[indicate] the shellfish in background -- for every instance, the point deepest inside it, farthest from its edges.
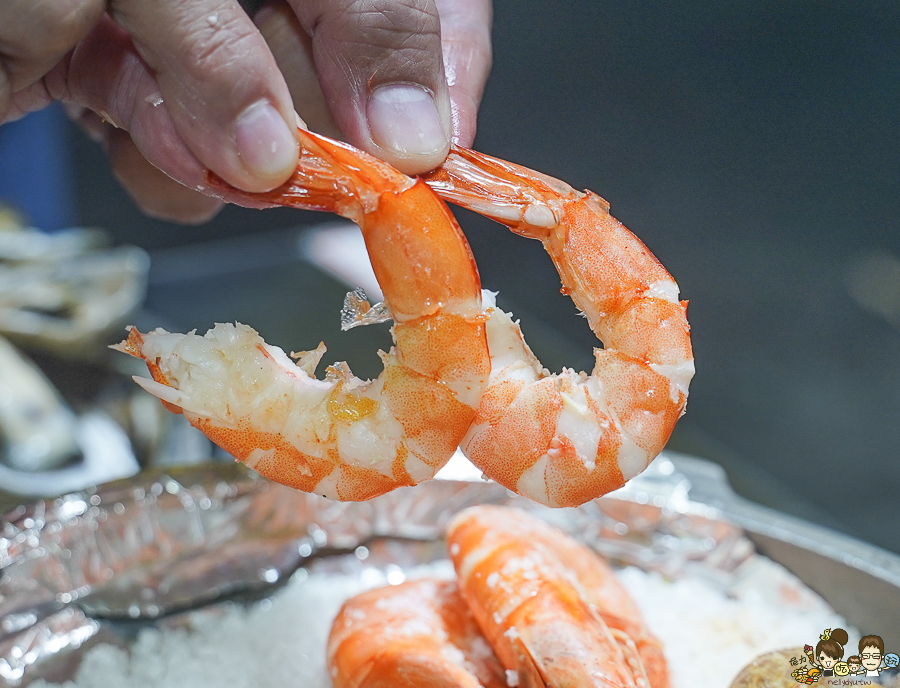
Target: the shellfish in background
(37, 429)
(66, 292)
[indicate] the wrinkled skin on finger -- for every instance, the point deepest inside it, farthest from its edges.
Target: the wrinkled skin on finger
(197, 85)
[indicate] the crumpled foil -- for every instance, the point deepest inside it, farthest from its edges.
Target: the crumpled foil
(163, 542)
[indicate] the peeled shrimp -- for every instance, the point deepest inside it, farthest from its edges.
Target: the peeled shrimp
(565, 439)
(538, 606)
(342, 437)
(417, 634)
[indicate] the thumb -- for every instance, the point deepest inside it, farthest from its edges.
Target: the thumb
(382, 73)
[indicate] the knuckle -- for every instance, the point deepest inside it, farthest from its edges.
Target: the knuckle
(380, 41)
(215, 44)
(406, 25)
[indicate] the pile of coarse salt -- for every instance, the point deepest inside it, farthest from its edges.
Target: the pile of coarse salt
(709, 632)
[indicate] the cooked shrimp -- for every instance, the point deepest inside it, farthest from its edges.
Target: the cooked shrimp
(565, 439)
(534, 603)
(417, 634)
(342, 437)
(598, 586)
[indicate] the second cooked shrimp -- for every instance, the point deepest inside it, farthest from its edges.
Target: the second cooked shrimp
(419, 634)
(597, 585)
(565, 439)
(344, 438)
(532, 605)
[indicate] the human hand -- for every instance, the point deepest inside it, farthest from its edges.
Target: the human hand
(172, 88)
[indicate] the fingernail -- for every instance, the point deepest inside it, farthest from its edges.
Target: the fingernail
(265, 143)
(404, 118)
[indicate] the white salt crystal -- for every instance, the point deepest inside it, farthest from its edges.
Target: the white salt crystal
(511, 633)
(708, 632)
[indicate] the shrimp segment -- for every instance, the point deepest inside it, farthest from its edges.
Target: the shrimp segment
(344, 438)
(417, 634)
(565, 439)
(548, 617)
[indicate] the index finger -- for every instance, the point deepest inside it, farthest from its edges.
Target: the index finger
(220, 84)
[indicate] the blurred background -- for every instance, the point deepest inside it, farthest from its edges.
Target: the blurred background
(753, 146)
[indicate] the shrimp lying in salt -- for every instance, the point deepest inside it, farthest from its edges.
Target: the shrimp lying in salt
(417, 634)
(342, 437)
(565, 439)
(598, 586)
(534, 597)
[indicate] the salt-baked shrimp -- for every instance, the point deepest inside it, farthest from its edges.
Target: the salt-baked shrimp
(342, 437)
(565, 439)
(597, 585)
(419, 634)
(534, 603)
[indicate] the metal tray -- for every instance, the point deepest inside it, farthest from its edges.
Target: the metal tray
(78, 569)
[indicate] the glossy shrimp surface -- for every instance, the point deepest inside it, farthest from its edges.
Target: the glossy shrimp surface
(342, 437)
(565, 439)
(549, 619)
(419, 634)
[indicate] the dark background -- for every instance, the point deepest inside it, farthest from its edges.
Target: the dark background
(753, 146)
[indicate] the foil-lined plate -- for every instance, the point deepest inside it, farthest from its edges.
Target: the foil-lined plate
(78, 567)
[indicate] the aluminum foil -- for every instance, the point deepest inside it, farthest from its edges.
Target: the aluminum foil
(137, 550)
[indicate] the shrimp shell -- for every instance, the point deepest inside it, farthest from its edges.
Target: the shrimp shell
(565, 439)
(344, 438)
(417, 634)
(550, 615)
(597, 585)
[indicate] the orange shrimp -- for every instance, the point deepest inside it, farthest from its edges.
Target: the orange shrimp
(342, 437)
(597, 585)
(565, 439)
(533, 594)
(419, 633)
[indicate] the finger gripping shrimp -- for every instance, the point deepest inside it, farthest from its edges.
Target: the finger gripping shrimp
(417, 634)
(565, 439)
(548, 616)
(342, 437)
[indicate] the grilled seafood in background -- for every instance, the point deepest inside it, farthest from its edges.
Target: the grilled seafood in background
(419, 633)
(344, 438)
(38, 431)
(67, 292)
(549, 617)
(565, 439)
